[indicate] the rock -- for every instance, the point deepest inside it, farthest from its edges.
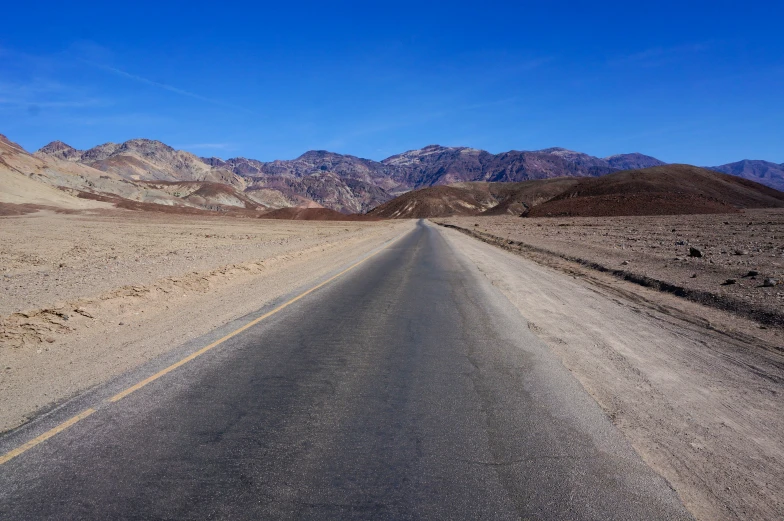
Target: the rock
(741, 252)
(693, 275)
(752, 273)
(83, 313)
(769, 282)
(624, 263)
(694, 252)
(729, 282)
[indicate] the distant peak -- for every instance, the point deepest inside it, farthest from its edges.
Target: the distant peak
(55, 146)
(559, 151)
(61, 150)
(143, 143)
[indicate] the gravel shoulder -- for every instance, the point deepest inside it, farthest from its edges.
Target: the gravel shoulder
(696, 390)
(89, 296)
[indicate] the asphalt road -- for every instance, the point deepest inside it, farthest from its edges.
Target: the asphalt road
(408, 388)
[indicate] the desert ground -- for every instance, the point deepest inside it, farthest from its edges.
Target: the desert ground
(688, 366)
(90, 295)
(730, 261)
(695, 388)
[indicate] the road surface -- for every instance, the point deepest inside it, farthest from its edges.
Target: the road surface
(406, 388)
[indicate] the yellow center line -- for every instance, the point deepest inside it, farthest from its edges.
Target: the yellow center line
(45, 436)
(119, 396)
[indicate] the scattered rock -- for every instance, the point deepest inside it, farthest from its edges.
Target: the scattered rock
(694, 252)
(729, 282)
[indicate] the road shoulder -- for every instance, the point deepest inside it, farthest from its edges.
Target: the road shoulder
(700, 405)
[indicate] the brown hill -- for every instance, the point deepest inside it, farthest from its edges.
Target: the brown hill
(437, 201)
(661, 190)
(519, 198)
(475, 198)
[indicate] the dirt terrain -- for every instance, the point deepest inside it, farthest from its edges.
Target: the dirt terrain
(730, 261)
(87, 296)
(696, 390)
(314, 214)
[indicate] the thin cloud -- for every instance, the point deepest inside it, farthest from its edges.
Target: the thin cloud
(52, 104)
(164, 86)
(660, 55)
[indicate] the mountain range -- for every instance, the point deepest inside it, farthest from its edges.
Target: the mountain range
(152, 171)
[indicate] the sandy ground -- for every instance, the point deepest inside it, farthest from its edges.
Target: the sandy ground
(86, 297)
(745, 248)
(697, 391)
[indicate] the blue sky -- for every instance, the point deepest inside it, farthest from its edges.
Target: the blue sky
(693, 82)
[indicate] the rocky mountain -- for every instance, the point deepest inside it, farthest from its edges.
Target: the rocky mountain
(765, 172)
(343, 183)
(340, 182)
(436, 165)
(143, 160)
(633, 161)
(56, 178)
(60, 150)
